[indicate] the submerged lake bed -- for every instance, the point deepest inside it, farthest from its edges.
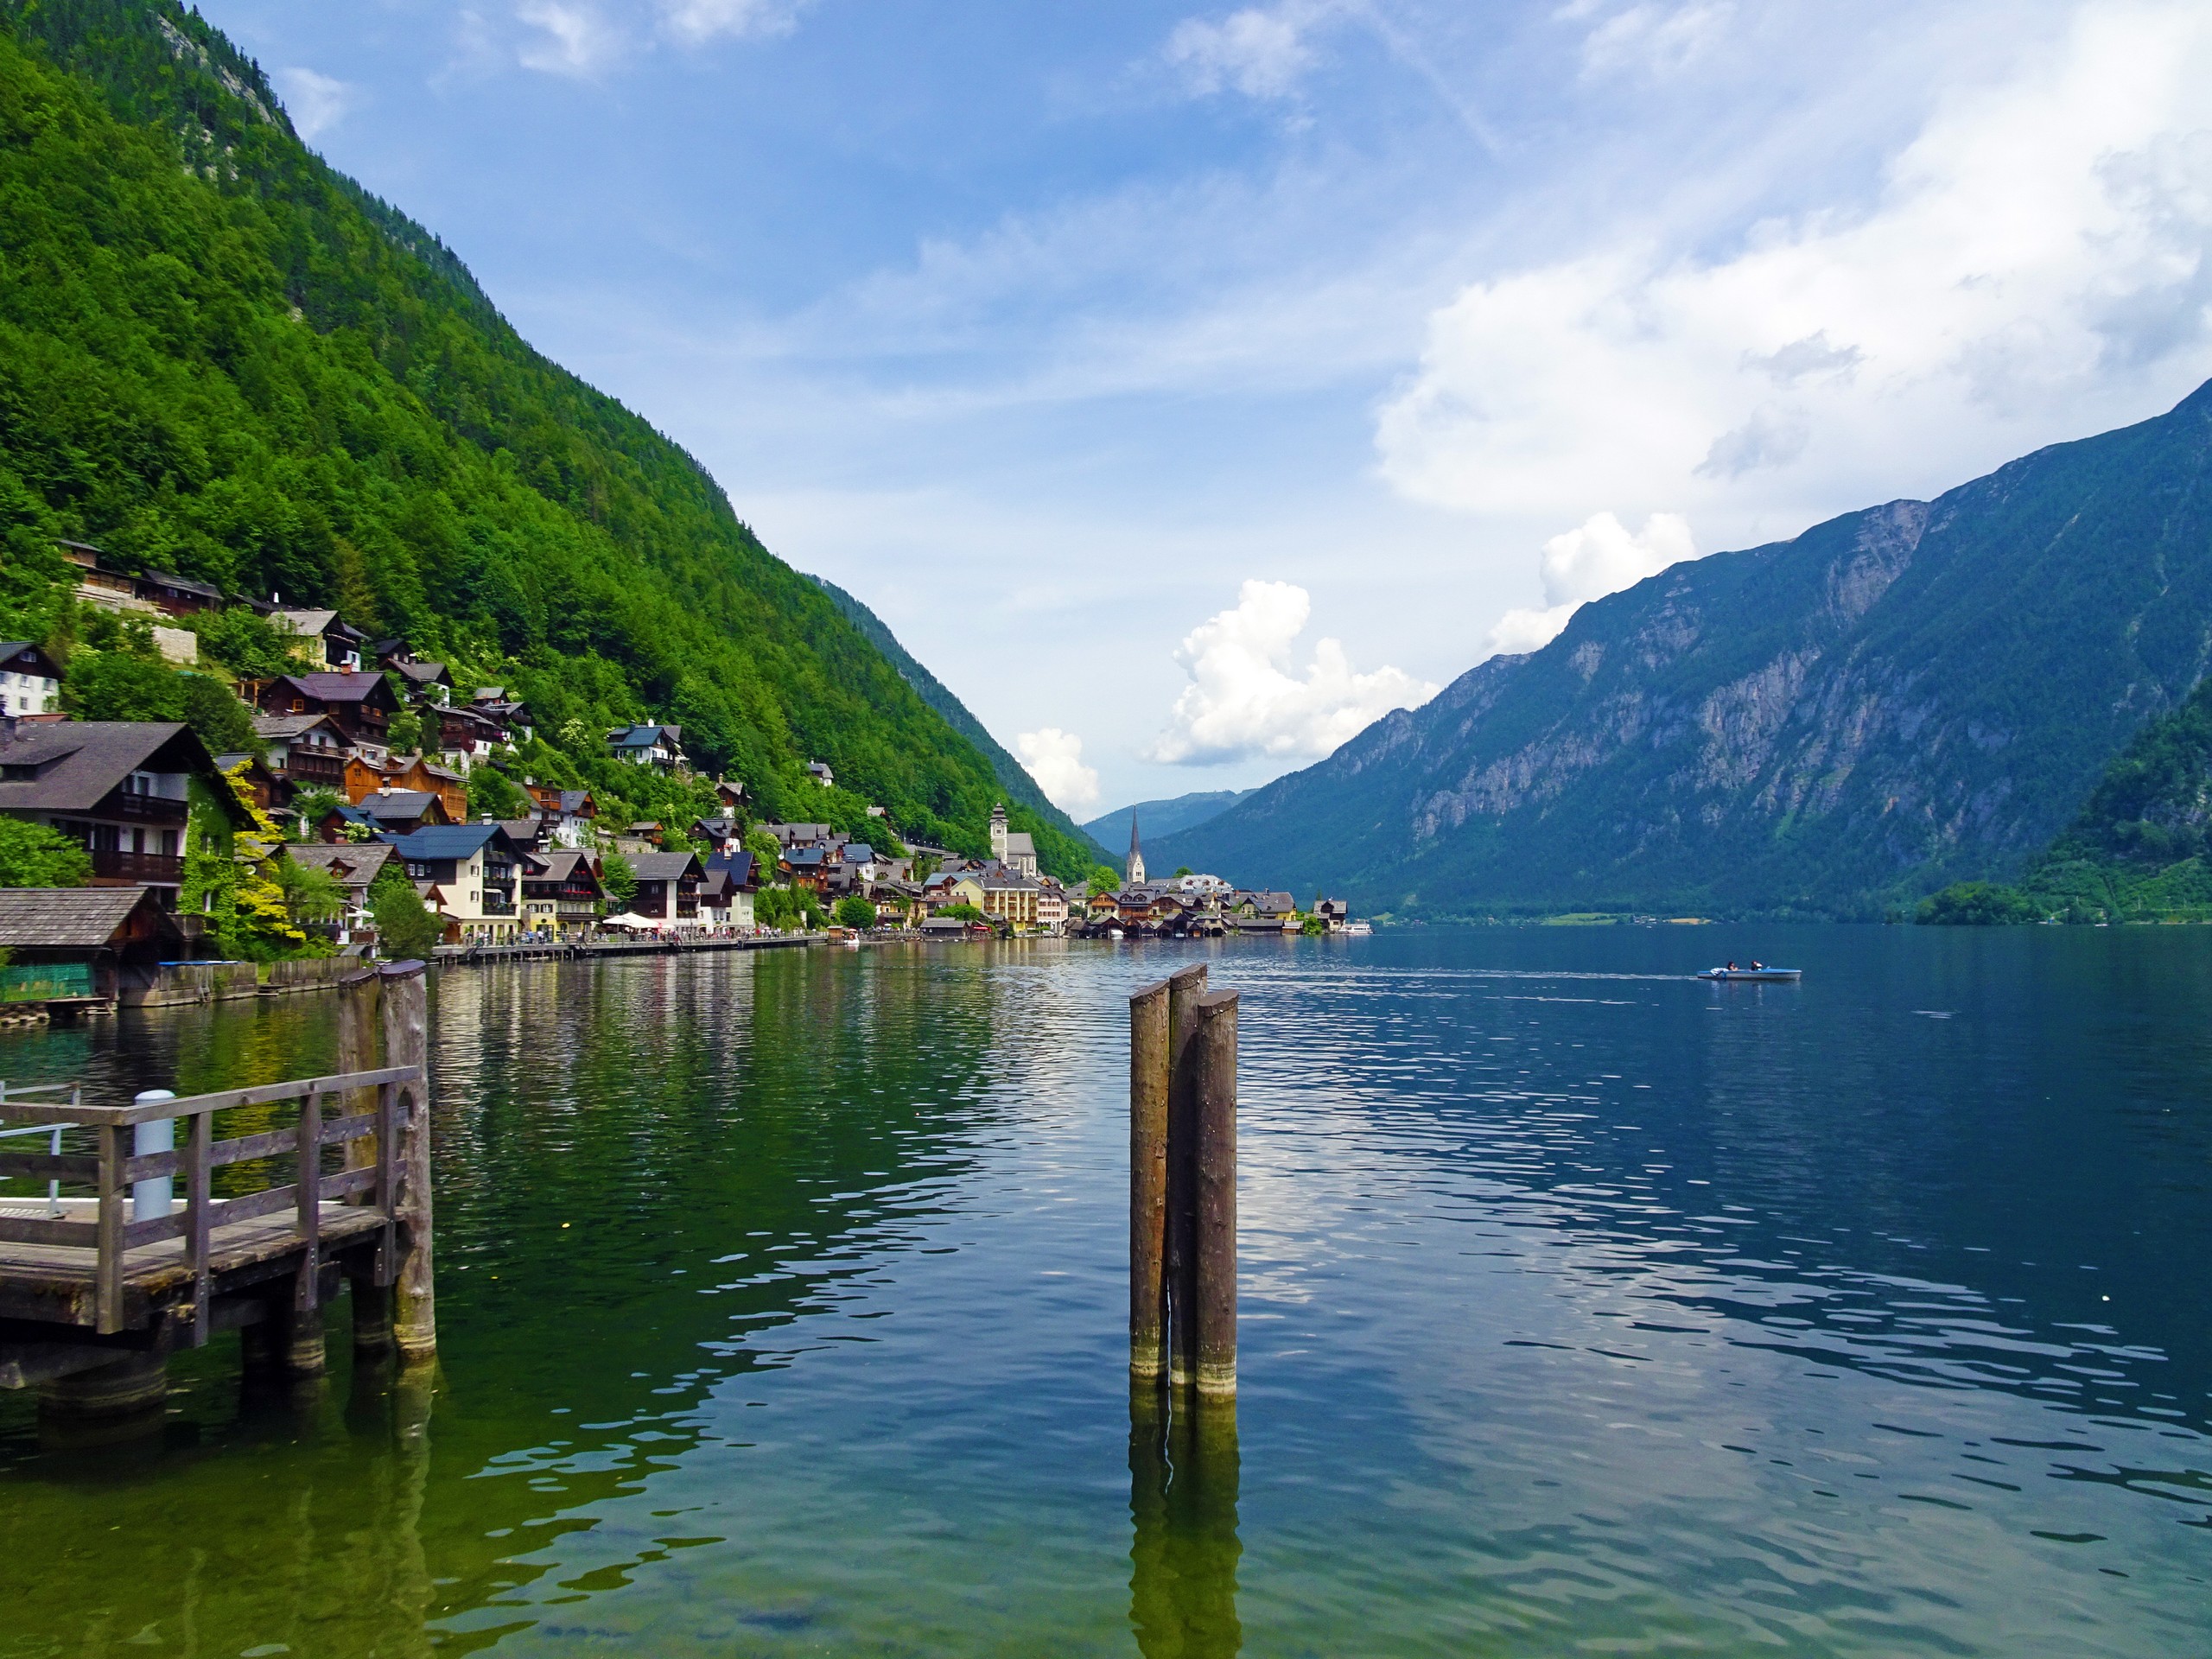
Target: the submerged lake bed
(1585, 1307)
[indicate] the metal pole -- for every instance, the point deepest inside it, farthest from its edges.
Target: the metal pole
(149, 1198)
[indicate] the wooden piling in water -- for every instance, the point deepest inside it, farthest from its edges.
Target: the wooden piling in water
(1185, 989)
(1148, 1069)
(405, 1017)
(1212, 1065)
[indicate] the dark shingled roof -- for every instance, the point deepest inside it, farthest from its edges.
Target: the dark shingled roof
(77, 763)
(64, 918)
(663, 866)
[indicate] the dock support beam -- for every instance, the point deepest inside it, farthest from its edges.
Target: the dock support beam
(1148, 1068)
(1213, 1073)
(1183, 990)
(405, 1013)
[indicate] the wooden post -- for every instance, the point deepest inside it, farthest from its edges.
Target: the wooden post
(199, 1194)
(406, 1042)
(1213, 1068)
(1183, 990)
(107, 1262)
(368, 1274)
(1148, 1068)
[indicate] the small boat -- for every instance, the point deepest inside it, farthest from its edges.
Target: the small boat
(1114, 933)
(1358, 930)
(1756, 976)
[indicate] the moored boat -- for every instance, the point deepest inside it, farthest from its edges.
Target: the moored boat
(1756, 976)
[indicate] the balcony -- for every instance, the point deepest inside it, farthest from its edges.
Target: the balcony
(314, 767)
(143, 808)
(159, 868)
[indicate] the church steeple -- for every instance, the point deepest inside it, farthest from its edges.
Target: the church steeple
(1134, 875)
(998, 832)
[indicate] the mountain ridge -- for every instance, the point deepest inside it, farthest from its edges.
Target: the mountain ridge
(1831, 725)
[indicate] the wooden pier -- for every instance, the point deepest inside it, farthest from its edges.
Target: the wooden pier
(95, 1291)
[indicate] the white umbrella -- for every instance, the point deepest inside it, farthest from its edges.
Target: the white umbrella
(631, 918)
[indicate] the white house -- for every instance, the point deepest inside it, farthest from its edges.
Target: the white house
(29, 682)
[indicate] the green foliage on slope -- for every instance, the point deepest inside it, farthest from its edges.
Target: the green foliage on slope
(219, 357)
(2138, 849)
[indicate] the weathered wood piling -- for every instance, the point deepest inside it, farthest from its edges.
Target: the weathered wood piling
(1183, 1184)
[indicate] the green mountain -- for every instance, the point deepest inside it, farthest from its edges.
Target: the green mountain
(1157, 818)
(1013, 778)
(221, 357)
(1897, 699)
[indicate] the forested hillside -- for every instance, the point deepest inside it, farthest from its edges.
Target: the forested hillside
(219, 357)
(1836, 725)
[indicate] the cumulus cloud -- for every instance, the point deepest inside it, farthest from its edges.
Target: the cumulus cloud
(1054, 759)
(698, 20)
(573, 37)
(2038, 233)
(1260, 51)
(316, 102)
(1580, 565)
(1246, 699)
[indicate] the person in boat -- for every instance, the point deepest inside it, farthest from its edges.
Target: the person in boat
(1757, 966)
(1730, 968)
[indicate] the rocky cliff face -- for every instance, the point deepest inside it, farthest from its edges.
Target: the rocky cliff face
(1896, 697)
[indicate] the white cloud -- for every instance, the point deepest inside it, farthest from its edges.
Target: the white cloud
(1260, 51)
(316, 102)
(2038, 252)
(1580, 565)
(574, 37)
(696, 21)
(1054, 759)
(1246, 698)
(1655, 40)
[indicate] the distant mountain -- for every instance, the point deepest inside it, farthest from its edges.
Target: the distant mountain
(1013, 778)
(1161, 818)
(1896, 699)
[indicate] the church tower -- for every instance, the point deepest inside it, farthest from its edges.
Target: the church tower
(1135, 874)
(998, 832)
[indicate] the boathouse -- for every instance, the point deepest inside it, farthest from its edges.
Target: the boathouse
(67, 943)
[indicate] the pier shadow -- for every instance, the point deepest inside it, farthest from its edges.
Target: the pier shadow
(1184, 1477)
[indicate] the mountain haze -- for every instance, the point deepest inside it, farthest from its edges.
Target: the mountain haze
(1157, 818)
(1012, 776)
(220, 356)
(1899, 698)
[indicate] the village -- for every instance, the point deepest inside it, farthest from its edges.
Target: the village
(343, 810)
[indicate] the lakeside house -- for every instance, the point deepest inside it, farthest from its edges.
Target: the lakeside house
(660, 746)
(361, 706)
(476, 870)
(668, 887)
(355, 865)
(30, 682)
(562, 895)
(63, 942)
(120, 789)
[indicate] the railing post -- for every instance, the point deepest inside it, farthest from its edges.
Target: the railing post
(406, 1043)
(199, 1192)
(107, 1270)
(308, 1191)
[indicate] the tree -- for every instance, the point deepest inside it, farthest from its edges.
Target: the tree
(311, 806)
(311, 894)
(231, 877)
(1103, 878)
(406, 927)
(766, 850)
(32, 856)
(246, 644)
(1182, 870)
(121, 685)
(856, 913)
(224, 724)
(962, 912)
(404, 734)
(491, 791)
(621, 881)
(1977, 903)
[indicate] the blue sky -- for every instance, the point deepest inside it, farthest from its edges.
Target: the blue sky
(1188, 385)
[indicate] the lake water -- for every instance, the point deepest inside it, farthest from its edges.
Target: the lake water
(1587, 1308)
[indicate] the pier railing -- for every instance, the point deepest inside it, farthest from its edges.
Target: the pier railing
(125, 1157)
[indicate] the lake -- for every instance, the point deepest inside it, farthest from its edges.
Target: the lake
(1585, 1307)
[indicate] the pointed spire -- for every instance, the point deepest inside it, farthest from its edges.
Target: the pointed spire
(1133, 872)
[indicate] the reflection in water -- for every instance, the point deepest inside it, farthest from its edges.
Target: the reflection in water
(1183, 1476)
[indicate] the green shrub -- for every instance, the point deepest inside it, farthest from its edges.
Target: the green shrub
(1977, 903)
(32, 856)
